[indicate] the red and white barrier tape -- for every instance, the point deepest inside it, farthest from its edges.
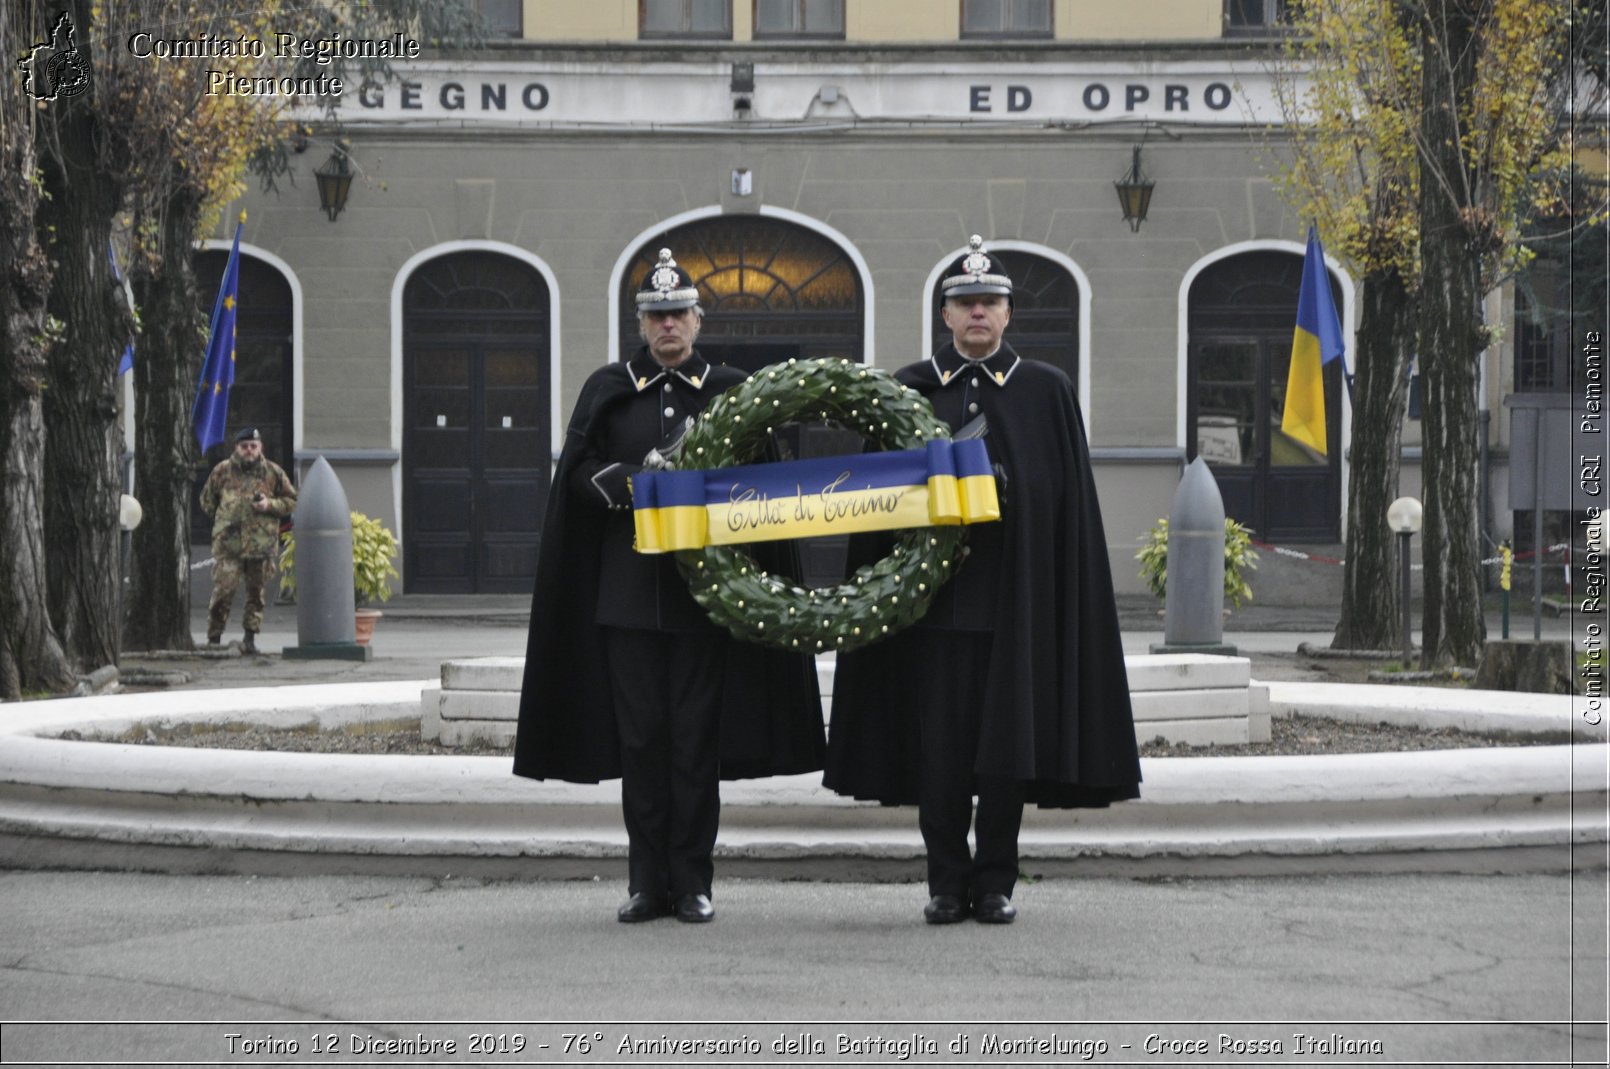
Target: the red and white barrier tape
(1529, 554)
(1297, 554)
(1286, 551)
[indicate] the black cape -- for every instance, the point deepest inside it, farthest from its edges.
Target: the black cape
(1060, 719)
(771, 721)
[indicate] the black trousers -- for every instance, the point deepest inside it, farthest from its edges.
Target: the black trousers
(667, 692)
(954, 709)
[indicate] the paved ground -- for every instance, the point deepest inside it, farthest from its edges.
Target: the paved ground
(418, 632)
(1447, 970)
(1439, 970)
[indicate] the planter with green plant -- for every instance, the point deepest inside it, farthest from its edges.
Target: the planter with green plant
(1239, 559)
(374, 548)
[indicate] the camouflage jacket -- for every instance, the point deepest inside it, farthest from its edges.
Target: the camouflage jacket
(238, 530)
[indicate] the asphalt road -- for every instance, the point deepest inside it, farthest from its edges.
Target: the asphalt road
(1445, 970)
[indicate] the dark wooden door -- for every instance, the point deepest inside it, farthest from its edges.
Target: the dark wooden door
(476, 463)
(1275, 485)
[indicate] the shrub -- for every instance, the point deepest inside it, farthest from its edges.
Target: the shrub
(1239, 559)
(374, 548)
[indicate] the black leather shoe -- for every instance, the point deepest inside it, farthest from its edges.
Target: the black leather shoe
(249, 643)
(994, 908)
(642, 907)
(695, 909)
(945, 909)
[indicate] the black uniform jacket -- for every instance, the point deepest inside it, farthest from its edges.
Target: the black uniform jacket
(1059, 717)
(771, 722)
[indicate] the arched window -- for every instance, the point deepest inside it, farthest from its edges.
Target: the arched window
(770, 289)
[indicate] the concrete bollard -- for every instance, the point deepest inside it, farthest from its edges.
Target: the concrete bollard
(324, 593)
(1193, 616)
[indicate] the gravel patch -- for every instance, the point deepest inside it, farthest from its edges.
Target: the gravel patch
(293, 740)
(1290, 736)
(1299, 735)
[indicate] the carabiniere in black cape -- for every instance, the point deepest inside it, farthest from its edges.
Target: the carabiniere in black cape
(1059, 716)
(771, 720)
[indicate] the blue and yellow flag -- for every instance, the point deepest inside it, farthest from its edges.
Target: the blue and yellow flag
(211, 411)
(945, 484)
(1316, 342)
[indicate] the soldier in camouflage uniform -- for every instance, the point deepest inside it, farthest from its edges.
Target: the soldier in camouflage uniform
(246, 496)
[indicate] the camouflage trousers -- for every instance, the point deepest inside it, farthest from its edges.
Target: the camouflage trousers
(227, 574)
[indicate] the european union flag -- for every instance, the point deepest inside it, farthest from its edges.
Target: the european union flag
(211, 411)
(1316, 342)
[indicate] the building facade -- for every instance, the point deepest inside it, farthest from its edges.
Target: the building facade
(814, 165)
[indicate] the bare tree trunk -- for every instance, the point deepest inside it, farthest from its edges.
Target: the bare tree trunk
(1370, 610)
(1451, 339)
(82, 490)
(171, 341)
(31, 657)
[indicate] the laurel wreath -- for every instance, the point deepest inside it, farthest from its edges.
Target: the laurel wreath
(879, 599)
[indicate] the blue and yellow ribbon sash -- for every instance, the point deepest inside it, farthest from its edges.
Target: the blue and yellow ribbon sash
(945, 484)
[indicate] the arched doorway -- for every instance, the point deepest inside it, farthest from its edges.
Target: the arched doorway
(1045, 310)
(263, 394)
(476, 446)
(1242, 311)
(771, 290)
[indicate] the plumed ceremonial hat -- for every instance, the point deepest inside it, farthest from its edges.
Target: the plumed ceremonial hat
(974, 272)
(667, 288)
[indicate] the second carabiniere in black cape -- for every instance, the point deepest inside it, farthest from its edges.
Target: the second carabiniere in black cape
(1058, 715)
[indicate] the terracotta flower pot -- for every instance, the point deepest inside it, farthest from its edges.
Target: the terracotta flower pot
(364, 625)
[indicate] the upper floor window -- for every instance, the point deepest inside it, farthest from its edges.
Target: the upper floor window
(1535, 354)
(799, 18)
(1256, 18)
(685, 18)
(503, 18)
(1006, 18)
(1543, 329)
